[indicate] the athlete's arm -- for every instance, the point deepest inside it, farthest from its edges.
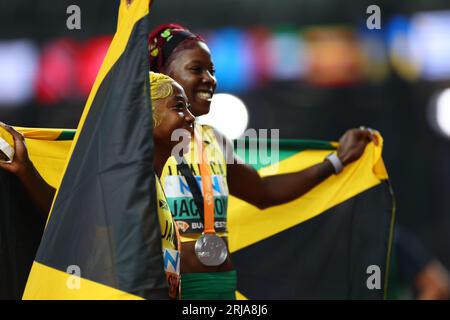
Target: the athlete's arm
(245, 183)
(41, 192)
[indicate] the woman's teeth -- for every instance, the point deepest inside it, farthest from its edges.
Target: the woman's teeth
(204, 95)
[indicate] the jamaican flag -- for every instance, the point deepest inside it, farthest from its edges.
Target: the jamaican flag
(321, 246)
(21, 225)
(102, 239)
(332, 243)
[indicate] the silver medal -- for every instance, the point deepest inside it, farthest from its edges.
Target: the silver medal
(211, 250)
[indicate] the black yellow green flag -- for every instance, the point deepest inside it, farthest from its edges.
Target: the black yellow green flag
(332, 243)
(327, 244)
(102, 239)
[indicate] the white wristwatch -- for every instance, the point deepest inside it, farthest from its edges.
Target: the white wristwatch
(7, 150)
(336, 162)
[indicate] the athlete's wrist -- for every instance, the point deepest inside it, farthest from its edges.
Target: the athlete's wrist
(335, 162)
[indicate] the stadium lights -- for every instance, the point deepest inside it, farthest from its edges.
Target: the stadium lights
(228, 114)
(439, 113)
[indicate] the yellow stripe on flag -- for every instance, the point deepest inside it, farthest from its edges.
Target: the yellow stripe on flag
(240, 296)
(128, 17)
(248, 225)
(45, 282)
(40, 133)
(58, 287)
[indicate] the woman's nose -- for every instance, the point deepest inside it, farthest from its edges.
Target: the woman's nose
(208, 77)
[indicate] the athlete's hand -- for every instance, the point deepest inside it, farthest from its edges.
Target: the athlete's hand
(353, 143)
(21, 164)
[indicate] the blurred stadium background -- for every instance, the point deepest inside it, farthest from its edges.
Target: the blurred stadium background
(308, 67)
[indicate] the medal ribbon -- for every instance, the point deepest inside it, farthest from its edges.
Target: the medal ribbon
(208, 195)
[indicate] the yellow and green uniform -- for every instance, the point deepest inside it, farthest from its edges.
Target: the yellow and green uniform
(218, 285)
(169, 239)
(178, 193)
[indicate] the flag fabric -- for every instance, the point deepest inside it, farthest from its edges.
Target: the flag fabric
(332, 243)
(21, 225)
(102, 239)
(317, 247)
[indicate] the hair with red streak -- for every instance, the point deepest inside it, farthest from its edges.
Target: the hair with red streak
(160, 52)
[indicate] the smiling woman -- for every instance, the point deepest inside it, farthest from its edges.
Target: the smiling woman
(176, 51)
(201, 213)
(170, 112)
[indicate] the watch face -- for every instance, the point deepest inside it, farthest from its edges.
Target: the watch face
(335, 162)
(6, 151)
(3, 156)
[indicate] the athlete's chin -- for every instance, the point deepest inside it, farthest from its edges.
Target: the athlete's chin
(201, 108)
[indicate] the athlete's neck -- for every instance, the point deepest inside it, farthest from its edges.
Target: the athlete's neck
(162, 153)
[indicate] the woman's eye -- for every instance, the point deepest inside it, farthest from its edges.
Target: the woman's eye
(180, 107)
(196, 69)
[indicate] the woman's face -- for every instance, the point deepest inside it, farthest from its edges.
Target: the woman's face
(172, 114)
(194, 70)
